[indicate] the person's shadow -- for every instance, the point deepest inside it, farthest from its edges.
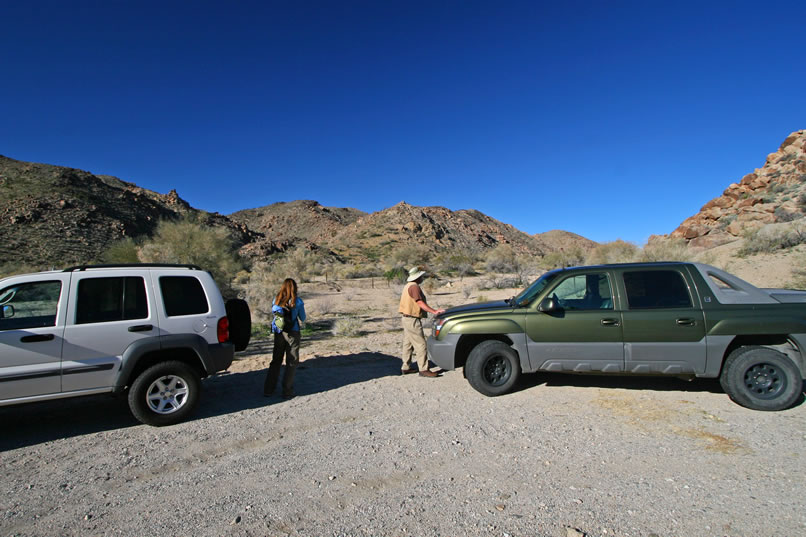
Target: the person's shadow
(35, 423)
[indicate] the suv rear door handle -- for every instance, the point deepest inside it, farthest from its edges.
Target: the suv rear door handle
(686, 322)
(609, 322)
(38, 337)
(141, 328)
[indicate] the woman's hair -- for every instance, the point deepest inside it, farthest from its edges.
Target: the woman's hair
(288, 294)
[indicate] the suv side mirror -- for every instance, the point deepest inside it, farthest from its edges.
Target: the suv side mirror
(6, 311)
(548, 305)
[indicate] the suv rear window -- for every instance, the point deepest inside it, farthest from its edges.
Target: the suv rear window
(656, 289)
(103, 300)
(183, 295)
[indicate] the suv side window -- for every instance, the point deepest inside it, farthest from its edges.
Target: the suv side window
(656, 289)
(29, 305)
(183, 295)
(111, 299)
(585, 292)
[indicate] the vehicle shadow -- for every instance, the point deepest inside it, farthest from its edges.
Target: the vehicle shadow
(655, 383)
(36, 423)
(234, 392)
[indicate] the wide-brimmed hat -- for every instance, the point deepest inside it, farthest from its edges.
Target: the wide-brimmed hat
(414, 274)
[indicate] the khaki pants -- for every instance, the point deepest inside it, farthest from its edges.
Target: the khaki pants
(414, 343)
(285, 343)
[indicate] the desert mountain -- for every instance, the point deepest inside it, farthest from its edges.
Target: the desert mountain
(55, 216)
(774, 193)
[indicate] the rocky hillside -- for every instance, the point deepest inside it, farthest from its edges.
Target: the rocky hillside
(356, 236)
(55, 216)
(774, 193)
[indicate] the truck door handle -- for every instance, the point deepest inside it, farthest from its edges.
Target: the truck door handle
(609, 322)
(141, 328)
(38, 337)
(686, 322)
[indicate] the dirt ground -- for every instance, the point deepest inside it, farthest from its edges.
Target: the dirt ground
(363, 451)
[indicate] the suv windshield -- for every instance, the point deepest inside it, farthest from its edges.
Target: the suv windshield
(528, 295)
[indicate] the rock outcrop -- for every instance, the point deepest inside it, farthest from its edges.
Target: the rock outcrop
(774, 193)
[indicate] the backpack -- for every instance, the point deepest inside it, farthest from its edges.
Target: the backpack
(283, 319)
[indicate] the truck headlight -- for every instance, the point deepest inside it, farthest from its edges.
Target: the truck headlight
(438, 322)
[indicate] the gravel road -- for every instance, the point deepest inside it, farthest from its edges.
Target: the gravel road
(362, 451)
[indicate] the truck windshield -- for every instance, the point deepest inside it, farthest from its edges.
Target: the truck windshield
(528, 295)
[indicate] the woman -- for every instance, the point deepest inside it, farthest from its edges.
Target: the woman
(286, 339)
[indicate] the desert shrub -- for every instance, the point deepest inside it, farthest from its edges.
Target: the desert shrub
(325, 306)
(396, 275)
(500, 259)
(617, 251)
(186, 241)
(361, 271)
(664, 249)
(799, 276)
(563, 258)
(11, 269)
(300, 264)
(347, 327)
(772, 238)
(467, 291)
(259, 288)
(782, 215)
(122, 251)
(459, 264)
(499, 282)
(482, 298)
(409, 256)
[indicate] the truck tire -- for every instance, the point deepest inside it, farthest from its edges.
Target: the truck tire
(240, 323)
(165, 393)
(492, 368)
(761, 378)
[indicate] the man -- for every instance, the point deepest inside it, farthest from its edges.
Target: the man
(414, 309)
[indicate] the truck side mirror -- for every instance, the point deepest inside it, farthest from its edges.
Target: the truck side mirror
(548, 305)
(6, 311)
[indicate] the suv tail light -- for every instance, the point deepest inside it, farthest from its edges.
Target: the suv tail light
(223, 330)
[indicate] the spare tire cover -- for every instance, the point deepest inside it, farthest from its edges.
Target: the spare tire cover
(240, 323)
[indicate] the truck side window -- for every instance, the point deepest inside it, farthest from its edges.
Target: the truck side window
(656, 289)
(585, 292)
(111, 299)
(29, 305)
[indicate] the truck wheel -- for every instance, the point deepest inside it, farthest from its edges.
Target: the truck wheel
(492, 368)
(165, 393)
(240, 323)
(761, 378)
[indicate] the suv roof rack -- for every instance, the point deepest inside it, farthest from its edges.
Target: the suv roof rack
(132, 265)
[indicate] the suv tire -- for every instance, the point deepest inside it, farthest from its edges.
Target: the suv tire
(165, 393)
(761, 378)
(492, 368)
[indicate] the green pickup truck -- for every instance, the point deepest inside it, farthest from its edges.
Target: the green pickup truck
(680, 319)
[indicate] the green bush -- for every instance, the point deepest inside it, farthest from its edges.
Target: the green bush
(186, 241)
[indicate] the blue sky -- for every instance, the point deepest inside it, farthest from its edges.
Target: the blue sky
(607, 119)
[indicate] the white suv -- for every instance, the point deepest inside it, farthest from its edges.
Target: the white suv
(151, 330)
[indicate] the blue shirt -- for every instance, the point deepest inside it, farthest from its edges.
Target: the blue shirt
(297, 313)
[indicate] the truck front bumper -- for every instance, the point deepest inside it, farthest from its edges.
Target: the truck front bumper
(443, 352)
